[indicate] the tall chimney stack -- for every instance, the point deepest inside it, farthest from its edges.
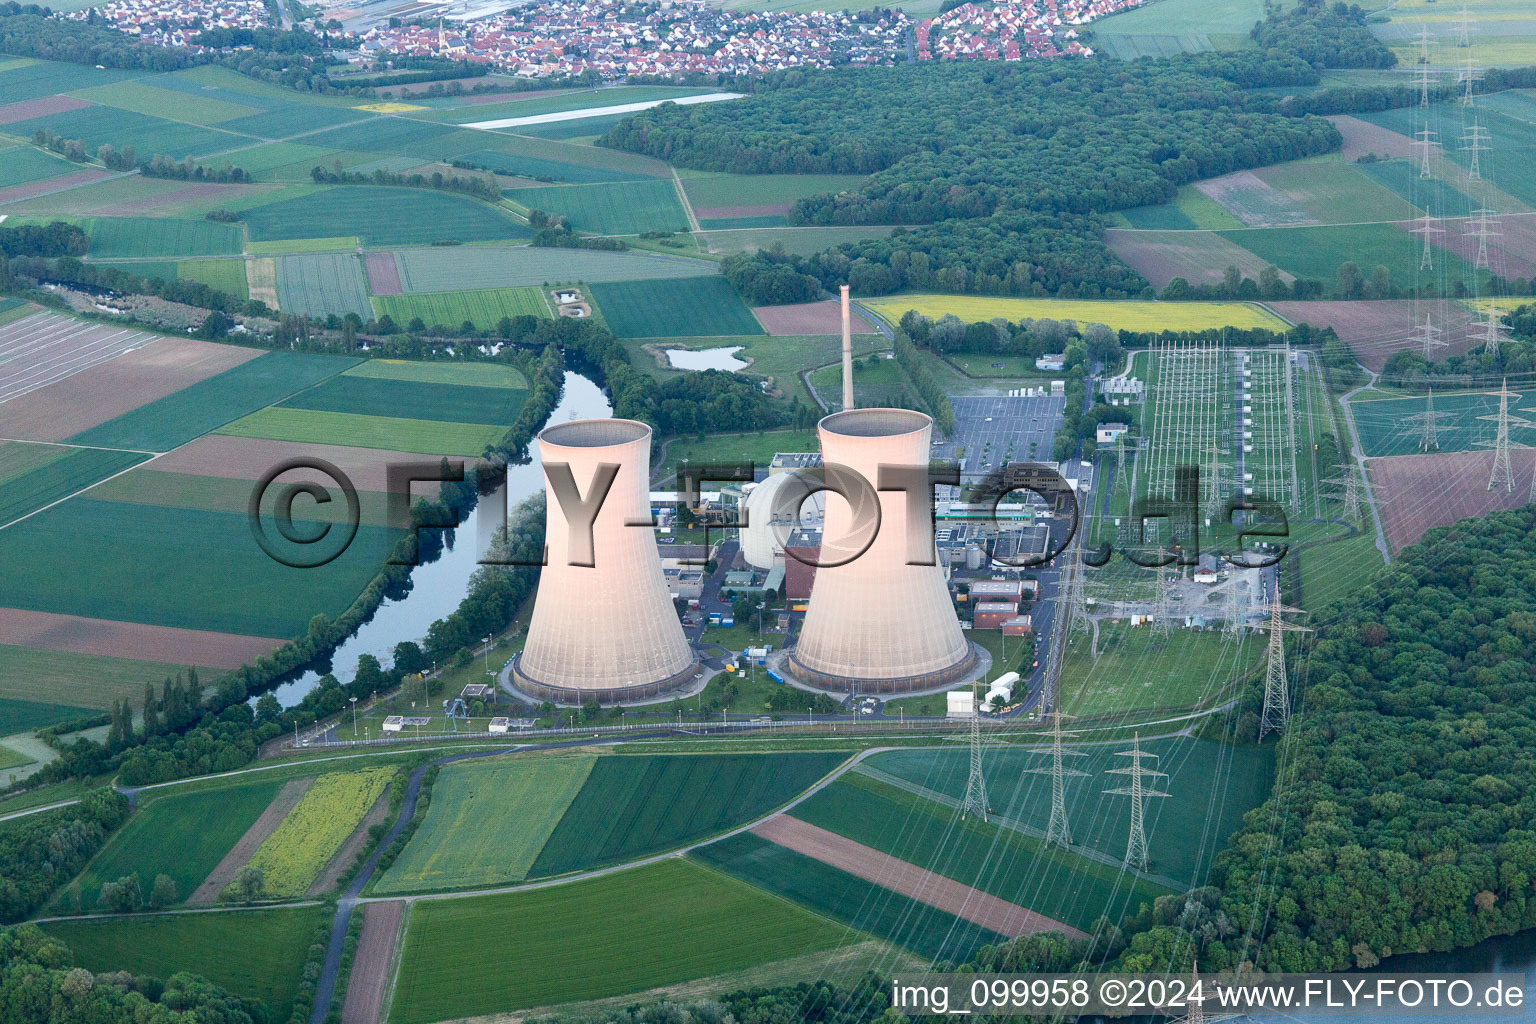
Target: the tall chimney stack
(847, 353)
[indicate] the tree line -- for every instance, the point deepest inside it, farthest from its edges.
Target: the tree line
(472, 185)
(157, 166)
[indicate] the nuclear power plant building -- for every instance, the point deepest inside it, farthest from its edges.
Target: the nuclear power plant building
(877, 624)
(605, 630)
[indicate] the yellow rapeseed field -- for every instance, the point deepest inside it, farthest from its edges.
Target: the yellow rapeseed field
(1129, 315)
(390, 108)
(314, 830)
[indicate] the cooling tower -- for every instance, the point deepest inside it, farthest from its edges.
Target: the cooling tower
(605, 630)
(877, 624)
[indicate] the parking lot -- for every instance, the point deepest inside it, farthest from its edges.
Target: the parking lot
(990, 432)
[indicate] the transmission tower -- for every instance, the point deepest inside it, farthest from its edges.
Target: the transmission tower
(1491, 330)
(1464, 28)
(1236, 613)
(1470, 76)
(1057, 831)
(1485, 225)
(1428, 338)
(1475, 142)
(1427, 424)
(1428, 228)
(1162, 609)
(1215, 498)
(1136, 849)
(1423, 75)
(1348, 486)
(1500, 444)
(976, 786)
(1277, 703)
(1424, 141)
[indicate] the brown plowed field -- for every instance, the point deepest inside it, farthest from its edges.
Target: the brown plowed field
(810, 318)
(1375, 329)
(1416, 493)
(191, 193)
(40, 107)
(1199, 257)
(1511, 255)
(369, 981)
(249, 458)
(34, 188)
(239, 854)
(98, 393)
(132, 640)
(383, 273)
(1362, 137)
(908, 879)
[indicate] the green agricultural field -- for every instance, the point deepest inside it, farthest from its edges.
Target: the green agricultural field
(1386, 426)
(1172, 27)
(272, 946)
(18, 716)
(1331, 191)
(1213, 785)
(1005, 863)
(30, 79)
(328, 812)
(72, 470)
(419, 400)
(631, 806)
(880, 383)
(1435, 194)
(832, 892)
(414, 217)
(146, 486)
(147, 135)
(290, 119)
(483, 307)
(39, 678)
(1191, 209)
(178, 418)
(143, 98)
(757, 447)
(713, 189)
(227, 276)
(689, 307)
(1318, 252)
(486, 824)
(266, 162)
(177, 567)
(426, 437)
(22, 164)
(1134, 671)
(401, 136)
(341, 243)
(161, 236)
(613, 208)
(488, 375)
(183, 836)
(537, 168)
(465, 267)
(657, 925)
(321, 284)
(781, 357)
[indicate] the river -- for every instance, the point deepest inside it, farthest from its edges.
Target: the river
(437, 587)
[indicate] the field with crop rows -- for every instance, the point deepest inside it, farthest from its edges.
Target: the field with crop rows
(382, 216)
(835, 893)
(488, 375)
(182, 836)
(96, 126)
(377, 396)
(631, 806)
(656, 925)
(255, 954)
(36, 679)
(471, 267)
(1135, 315)
(391, 433)
(18, 716)
(613, 208)
(482, 307)
(22, 164)
(1387, 426)
(1318, 252)
(689, 307)
(177, 418)
(1006, 863)
(30, 79)
(320, 284)
(713, 189)
(65, 471)
(161, 236)
(314, 830)
(227, 276)
(487, 823)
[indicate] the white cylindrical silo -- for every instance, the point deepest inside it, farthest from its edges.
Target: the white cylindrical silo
(605, 630)
(877, 624)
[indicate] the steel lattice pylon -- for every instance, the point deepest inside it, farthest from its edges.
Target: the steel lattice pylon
(1501, 444)
(976, 785)
(1057, 832)
(1277, 704)
(1136, 848)
(1349, 492)
(1162, 610)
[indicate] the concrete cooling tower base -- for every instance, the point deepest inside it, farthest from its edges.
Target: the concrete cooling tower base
(676, 685)
(976, 663)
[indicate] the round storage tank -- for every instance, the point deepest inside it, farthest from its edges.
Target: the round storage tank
(761, 538)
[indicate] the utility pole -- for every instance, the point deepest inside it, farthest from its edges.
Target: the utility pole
(1057, 831)
(975, 786)
(1136, 848)
(1501, 473)
(1277, 702)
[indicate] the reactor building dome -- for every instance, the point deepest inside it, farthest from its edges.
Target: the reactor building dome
(762, 539)
(605, 630)
(876, 624)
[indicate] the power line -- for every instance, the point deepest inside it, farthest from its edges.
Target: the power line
(1501, 473)
(1136, 847)
(1277, 703)
(1057, 831)
(976, 785)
